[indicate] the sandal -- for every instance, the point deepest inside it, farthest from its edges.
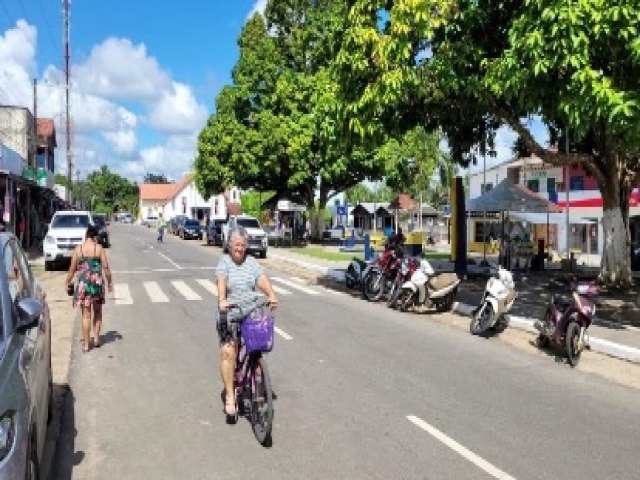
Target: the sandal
(96, 344)
(85, 349)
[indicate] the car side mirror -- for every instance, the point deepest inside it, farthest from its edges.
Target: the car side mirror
(29, 312)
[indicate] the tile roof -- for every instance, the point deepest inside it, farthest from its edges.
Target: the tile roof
(45, 127)
(163, 191)
(403, 202)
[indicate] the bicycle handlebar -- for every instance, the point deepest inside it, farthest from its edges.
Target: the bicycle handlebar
(234, 306)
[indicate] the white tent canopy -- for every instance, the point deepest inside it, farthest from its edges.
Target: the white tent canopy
(554, 218)
(507, 196)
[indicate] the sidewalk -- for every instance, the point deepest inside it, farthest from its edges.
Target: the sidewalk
(615, 332)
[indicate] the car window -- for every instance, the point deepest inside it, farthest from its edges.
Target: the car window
(98, 221)
(192, 223)
(18, 280)
(248, 223)
(70, 221)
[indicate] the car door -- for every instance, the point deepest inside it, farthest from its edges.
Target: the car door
(37, 340)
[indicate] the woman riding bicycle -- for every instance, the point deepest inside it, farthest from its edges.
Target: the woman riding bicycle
(238, 276)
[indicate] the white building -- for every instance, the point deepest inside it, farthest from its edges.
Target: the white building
(183, 198)
(585, 203)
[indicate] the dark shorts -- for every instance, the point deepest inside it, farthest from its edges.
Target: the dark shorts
(227, 331)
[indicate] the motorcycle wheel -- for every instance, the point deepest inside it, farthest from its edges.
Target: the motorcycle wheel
(571, 343)
(393, 298)
(445, 304)
(481, 323)
(368, 286)
(405, 300)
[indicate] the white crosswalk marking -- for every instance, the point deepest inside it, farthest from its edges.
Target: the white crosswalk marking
(122, 294)
(208, 286)
(297, 279)
(155, 292)
(185, 290)
(280, 290)
(295, 286)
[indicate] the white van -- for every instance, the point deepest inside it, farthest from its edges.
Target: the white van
(257, 237)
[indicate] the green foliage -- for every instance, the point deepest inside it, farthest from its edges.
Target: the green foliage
(253, 200)
(277, 126)
(107, 192)
(61, 179)
(468, 67)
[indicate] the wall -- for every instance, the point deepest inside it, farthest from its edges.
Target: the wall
(15, 124)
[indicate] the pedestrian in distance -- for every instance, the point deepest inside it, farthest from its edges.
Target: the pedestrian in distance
(89, 267)
(238, 275)
(161, 225)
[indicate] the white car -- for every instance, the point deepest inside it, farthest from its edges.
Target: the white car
(257, 241)
(68, 228)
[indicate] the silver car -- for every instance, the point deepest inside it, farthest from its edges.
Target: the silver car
(25, 365)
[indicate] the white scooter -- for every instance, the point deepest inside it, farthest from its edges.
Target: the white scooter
(498, 298)
(428, 288)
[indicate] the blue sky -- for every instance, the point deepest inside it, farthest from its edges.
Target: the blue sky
(145, 75)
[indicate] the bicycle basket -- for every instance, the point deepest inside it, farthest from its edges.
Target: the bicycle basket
(257, 332)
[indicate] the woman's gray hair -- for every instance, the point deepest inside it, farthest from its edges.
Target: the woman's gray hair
(238, 231)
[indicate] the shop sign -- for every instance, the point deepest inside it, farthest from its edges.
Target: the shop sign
(29, 173)
(42, 177)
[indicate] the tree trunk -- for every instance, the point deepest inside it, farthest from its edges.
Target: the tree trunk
(615, 269)
(322, 205)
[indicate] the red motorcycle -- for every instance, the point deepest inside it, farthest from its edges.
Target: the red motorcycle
(566, 320)
(379, 276)
(407, 267)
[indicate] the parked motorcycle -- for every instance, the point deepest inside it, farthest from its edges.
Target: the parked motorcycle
(566, 320)
(498, 298)
(428, 288)
(354, 273)
(378, 277)
(408, 266)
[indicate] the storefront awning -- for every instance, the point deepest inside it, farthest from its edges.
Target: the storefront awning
(554, 218)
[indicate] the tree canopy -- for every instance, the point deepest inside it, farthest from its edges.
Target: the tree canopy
(469, 67)
(155, 178)
(105, 191)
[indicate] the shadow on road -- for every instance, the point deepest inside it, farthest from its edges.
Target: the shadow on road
(66, 457)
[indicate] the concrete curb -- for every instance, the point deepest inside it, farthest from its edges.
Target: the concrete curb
(600, 345)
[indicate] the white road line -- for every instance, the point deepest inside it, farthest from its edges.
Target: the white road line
(168, 260)
(209, 286)
(155, 292)
(280, 290)
(330, 290)
(456, 447)
(185, 290)
(122, 294)
(295, 286)
(283, 334)
(297, 279)
(146, 271)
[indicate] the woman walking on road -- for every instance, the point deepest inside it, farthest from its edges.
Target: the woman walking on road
(89, 262)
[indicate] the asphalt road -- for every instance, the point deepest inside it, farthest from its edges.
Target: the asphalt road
(362, 391)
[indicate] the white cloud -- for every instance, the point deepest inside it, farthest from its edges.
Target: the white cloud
(105, 129)
(173, 159)
(17, 64)
(258, 7)
(178, 111)
(118, 69)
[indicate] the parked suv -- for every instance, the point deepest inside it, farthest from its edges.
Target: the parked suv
(190, 228)
(100, 221)
(68, 228)
(214, 232)
(257, 241)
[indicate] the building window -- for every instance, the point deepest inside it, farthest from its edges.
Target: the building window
(551, 185)
(486, 187)
(215, 206)
(577, 182)
(533, 185)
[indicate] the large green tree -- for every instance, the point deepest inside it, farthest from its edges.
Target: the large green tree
(469, 66)
(277, 126)
(108, 192)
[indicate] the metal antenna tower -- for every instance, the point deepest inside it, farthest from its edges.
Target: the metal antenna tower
(66, 9)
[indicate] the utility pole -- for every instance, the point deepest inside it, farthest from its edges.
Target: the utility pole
(67, 20)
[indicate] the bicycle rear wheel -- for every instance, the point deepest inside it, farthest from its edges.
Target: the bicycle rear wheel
(261, 400)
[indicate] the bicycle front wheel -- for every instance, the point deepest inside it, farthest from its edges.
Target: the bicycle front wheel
(261, 401)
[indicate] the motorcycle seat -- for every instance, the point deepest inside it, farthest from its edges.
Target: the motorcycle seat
(442, 280)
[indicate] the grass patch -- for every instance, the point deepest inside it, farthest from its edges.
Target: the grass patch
(319, 252)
